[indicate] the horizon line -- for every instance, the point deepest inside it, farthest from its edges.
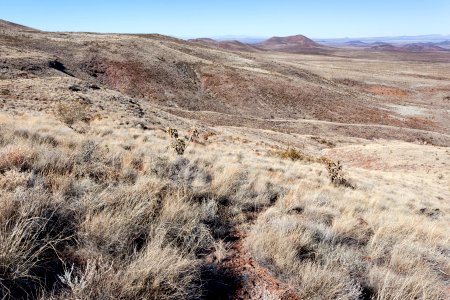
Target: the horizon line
(238, 36)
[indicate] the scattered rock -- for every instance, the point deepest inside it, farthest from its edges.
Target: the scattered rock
(94, 87)
(142, 126)
(429, 212)
(75, 88)
(296, 210)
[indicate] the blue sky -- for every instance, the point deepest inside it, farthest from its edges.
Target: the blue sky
(262, 18)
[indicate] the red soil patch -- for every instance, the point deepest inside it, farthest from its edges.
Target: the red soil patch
(386, 91)
(420, 123)
(356, 158)
(375, 89)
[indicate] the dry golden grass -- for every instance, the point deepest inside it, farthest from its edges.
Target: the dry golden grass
(111, 214)
(335, 169)
(332, 244)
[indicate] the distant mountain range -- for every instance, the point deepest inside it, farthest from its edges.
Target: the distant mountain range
(432, 38)
(412, 47)
(291, 44)
(303, 44)
(229, 45)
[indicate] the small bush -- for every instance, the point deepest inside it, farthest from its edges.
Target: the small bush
(194, 135)
(336, 174)
(5, 92)
(294, 155)
(33, 234)
(179, 144)
(173, 133)
(207, 135)
(70, 113)
(334, 168)
(14, 158)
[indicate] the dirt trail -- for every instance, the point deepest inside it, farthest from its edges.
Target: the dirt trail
(254, 282)
(251, 281)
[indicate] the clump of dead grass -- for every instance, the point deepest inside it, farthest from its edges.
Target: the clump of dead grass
(335, 169)
(73, 112)
(294, 155)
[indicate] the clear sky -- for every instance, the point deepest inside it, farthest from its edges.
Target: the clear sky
(209, 18)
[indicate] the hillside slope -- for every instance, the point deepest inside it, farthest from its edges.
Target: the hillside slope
(10, 26)
(147, 167)
(186, 78)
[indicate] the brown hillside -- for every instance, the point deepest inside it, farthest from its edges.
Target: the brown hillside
(184, 76)
(6, 25)
(300, 40)
(293, 44)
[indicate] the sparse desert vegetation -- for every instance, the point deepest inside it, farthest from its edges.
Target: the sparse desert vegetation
(146, 167)
(110, 212)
